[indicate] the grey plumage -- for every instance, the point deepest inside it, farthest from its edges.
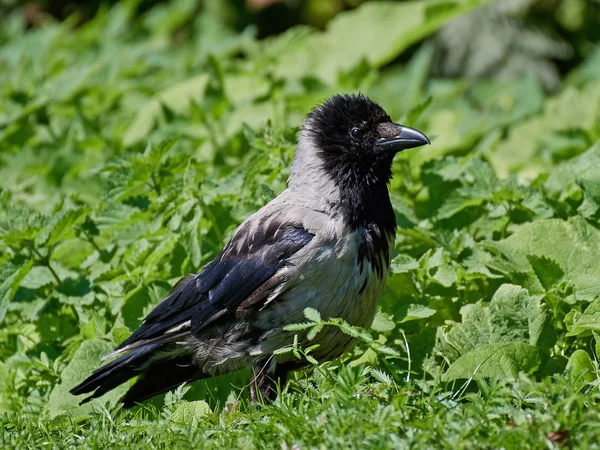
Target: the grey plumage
(325, 242)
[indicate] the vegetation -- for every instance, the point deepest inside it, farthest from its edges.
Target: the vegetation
(133, 144)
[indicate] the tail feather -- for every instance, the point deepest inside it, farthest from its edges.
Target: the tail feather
(161, 377)
(159, 368)
(115, 373)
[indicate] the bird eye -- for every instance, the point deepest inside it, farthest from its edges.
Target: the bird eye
(356, 133)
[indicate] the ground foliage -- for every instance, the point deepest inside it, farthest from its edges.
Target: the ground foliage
(129, 154)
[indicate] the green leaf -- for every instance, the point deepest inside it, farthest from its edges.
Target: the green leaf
(299, 326)
(75, 292)
(11, 275)
(547, 271)
(312, 333)
(407, 313)
(61, 224)
(589, 71)
(387, 29)
(312, 314)
(37, 277)
(580, 364)
(191, 239)
(516, 315)
(440, 265)
(415, 112)
(508, 102)
(571, 108)
(588, 321)
(177, 97)
(403, 264)
(498, 361)
(409, 86)
(20, 226)
(513, 315)
(190, 414)
(576, 182)
(573, 245)
(445, 275)
(133, 306)
(383, 322)
(457, 202)
(86, 359)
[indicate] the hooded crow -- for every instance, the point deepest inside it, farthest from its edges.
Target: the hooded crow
(325, 242)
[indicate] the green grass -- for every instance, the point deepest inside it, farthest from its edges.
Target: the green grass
(133, 145)
(344, 408)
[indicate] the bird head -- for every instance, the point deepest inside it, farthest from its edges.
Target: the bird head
(350, 134)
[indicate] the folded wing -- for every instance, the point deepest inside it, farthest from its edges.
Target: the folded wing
(229, 286)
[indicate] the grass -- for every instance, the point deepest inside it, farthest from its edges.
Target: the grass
(345, 408)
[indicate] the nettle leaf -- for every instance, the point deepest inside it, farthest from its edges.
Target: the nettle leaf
(11, 274)
(440, 268)
(576, 182)
(37, 277)
(513, 315)
(383, 322)
(565, 144)
(573, 245)
(86, 359)
(516, 315)
(189, 414)
(412, 312)
(403, 264)
(178, 97)
(20, 226)
(547, 271)
(136, 254)
(75, 292)
(588, 321)
(60, 224)
(154, 153)
(133, 306)
(498, 361)
(191, 236)
(458, 201)
(474, 330)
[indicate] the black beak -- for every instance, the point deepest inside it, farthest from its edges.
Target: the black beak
(399, 137)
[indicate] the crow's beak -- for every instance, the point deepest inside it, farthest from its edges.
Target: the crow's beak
(398, 137)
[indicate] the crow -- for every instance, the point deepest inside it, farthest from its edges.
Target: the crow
(325, 242)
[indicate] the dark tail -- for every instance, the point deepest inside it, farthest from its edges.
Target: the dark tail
(159, 371)
(161, 377)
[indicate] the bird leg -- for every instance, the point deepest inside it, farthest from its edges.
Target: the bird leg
(264, 380)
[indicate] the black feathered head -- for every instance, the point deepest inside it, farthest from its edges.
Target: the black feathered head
(351, 132)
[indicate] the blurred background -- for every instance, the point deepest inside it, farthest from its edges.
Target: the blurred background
(549, 37)
(483, 64)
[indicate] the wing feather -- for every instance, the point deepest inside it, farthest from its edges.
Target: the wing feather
(233, 280)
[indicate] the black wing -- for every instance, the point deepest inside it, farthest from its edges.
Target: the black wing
(247, 262)
(233, 284)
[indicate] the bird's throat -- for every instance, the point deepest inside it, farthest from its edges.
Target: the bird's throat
(365, 200)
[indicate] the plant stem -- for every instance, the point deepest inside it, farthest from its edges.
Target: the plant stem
(154, 184)
(91, 240)
(46, 262)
